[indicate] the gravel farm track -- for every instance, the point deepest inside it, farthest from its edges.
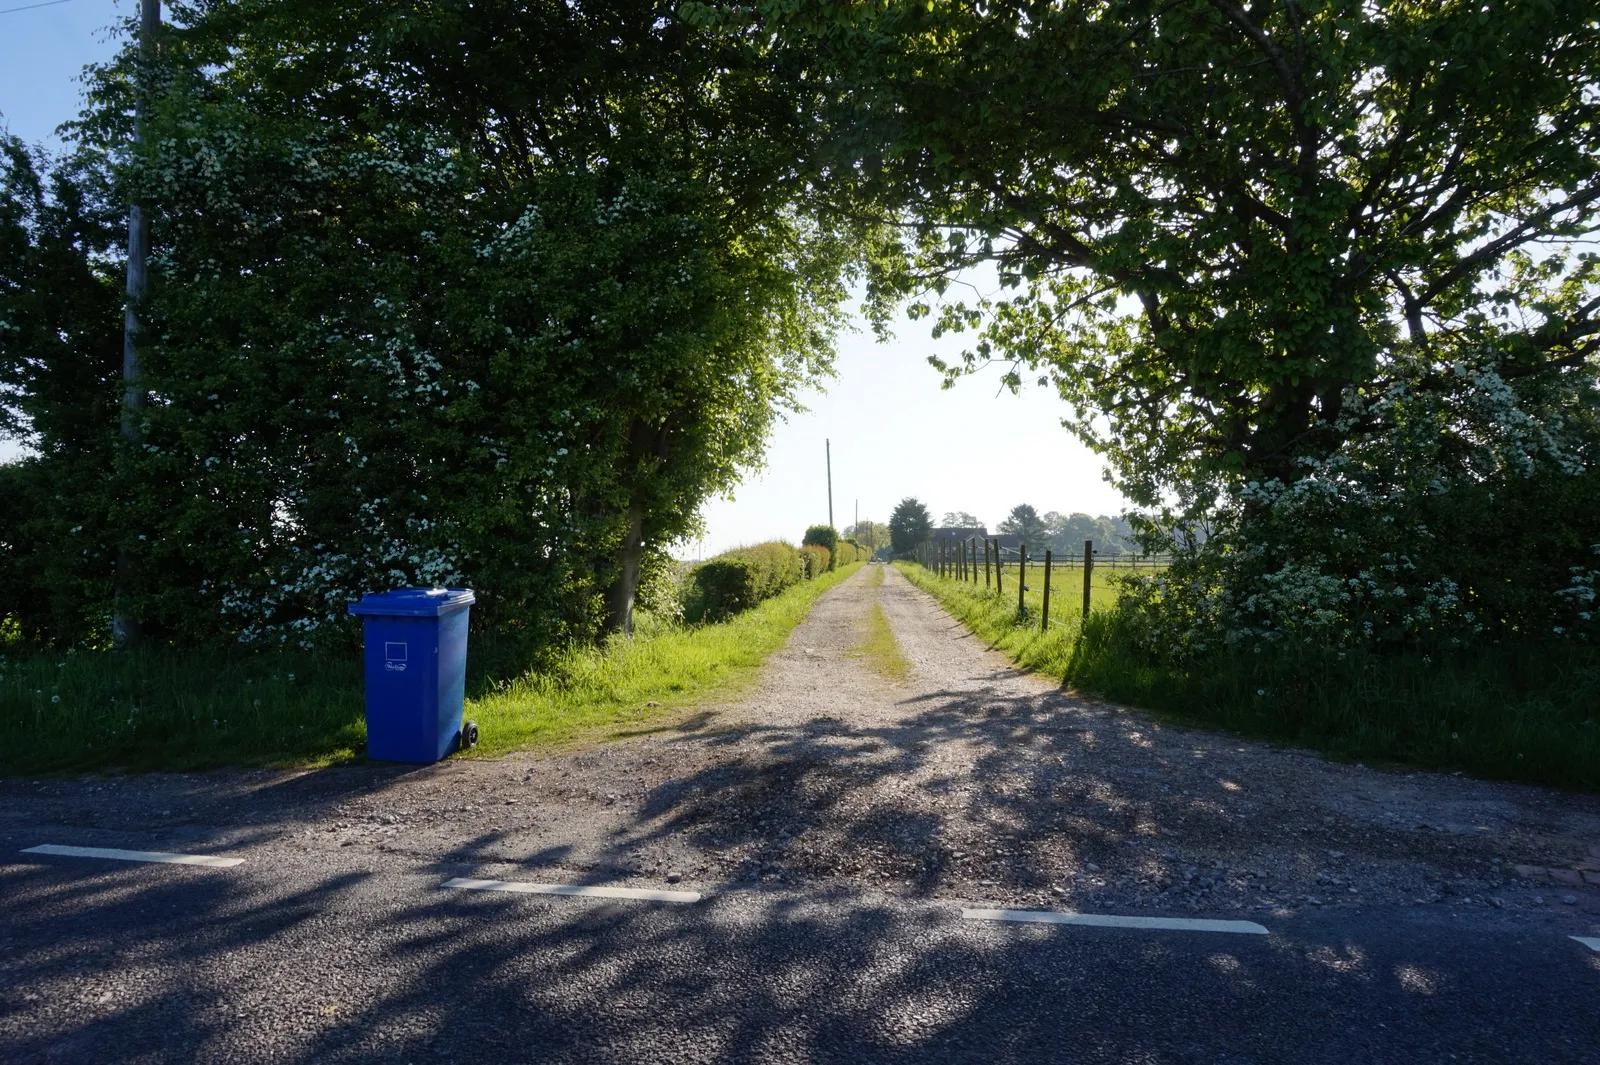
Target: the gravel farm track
(836, 823)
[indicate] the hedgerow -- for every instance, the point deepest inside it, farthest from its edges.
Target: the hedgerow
(739, 579)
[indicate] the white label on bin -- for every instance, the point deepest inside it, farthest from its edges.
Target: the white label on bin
(394, 657)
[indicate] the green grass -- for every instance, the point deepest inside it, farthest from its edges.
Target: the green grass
(879, 650)
(611, 690)
(994, 616)
(1528, 712)
(184, 711)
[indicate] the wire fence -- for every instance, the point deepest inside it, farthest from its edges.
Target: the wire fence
(1032, 579)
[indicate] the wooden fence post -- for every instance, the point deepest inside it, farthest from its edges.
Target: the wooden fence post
(999, 567)
(1044, 613)
(974, 542)
(1088, 573)
(987, 584)
(1022, 578)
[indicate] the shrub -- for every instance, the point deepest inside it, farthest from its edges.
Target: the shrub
(846, 553)
(823, 536)
(739, 579)
(818, 560)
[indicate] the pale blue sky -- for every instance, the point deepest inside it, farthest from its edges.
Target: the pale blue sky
(895, 432)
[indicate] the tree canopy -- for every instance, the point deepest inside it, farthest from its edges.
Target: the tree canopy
(486, 293)
(1316, 276)
(499, 293)
(1217, 226)
(870, 534)
(910, 524)
(1024, 521)
(1067, 533)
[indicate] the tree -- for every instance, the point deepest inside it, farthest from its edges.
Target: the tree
(959, 519)
(910, 525)
(1068, 532)
(871, 534)
(1024, 522)
(1217, 222)
(1312, 274)
(823, 536)
(60, 360)
(495, 295)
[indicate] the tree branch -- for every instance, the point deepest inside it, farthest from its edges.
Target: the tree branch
(1506, 241)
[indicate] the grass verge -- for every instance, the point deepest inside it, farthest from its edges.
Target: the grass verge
(161, 710)
(1529, 713)
(629, 683)
(994, 616)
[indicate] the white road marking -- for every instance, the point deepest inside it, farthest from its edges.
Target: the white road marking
(592, 891)
(1589, 941)
(135, 856)
(1103, 920)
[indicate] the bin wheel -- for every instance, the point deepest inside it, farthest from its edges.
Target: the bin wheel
(469, 734)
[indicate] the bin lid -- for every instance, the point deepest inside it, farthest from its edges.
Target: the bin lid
(415, 602)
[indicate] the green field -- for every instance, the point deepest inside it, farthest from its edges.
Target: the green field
(181, 711)
(1066, 588)
(1529, 712)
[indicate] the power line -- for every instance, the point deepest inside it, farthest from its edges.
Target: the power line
(30, 7)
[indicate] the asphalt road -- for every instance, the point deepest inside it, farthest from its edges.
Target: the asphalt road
(324, 957)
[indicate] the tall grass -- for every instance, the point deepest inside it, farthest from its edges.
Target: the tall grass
(183, 711)
(1527, 712)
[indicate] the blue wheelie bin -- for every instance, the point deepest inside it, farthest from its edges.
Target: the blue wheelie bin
(416, 665)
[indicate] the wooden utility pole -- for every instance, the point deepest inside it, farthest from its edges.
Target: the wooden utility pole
(828, 445)
(124, 626)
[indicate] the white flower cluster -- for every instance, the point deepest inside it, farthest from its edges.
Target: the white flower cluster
(312, 587)
(1343, 554)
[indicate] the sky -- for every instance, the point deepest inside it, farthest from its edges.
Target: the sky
(894, 431)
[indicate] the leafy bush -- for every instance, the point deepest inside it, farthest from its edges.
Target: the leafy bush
(817, 560)
(823, 536)
(739, 579)
(846, 553)
(1474, 522)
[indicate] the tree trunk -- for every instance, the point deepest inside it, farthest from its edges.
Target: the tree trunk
(620, 596)
(647, 450)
